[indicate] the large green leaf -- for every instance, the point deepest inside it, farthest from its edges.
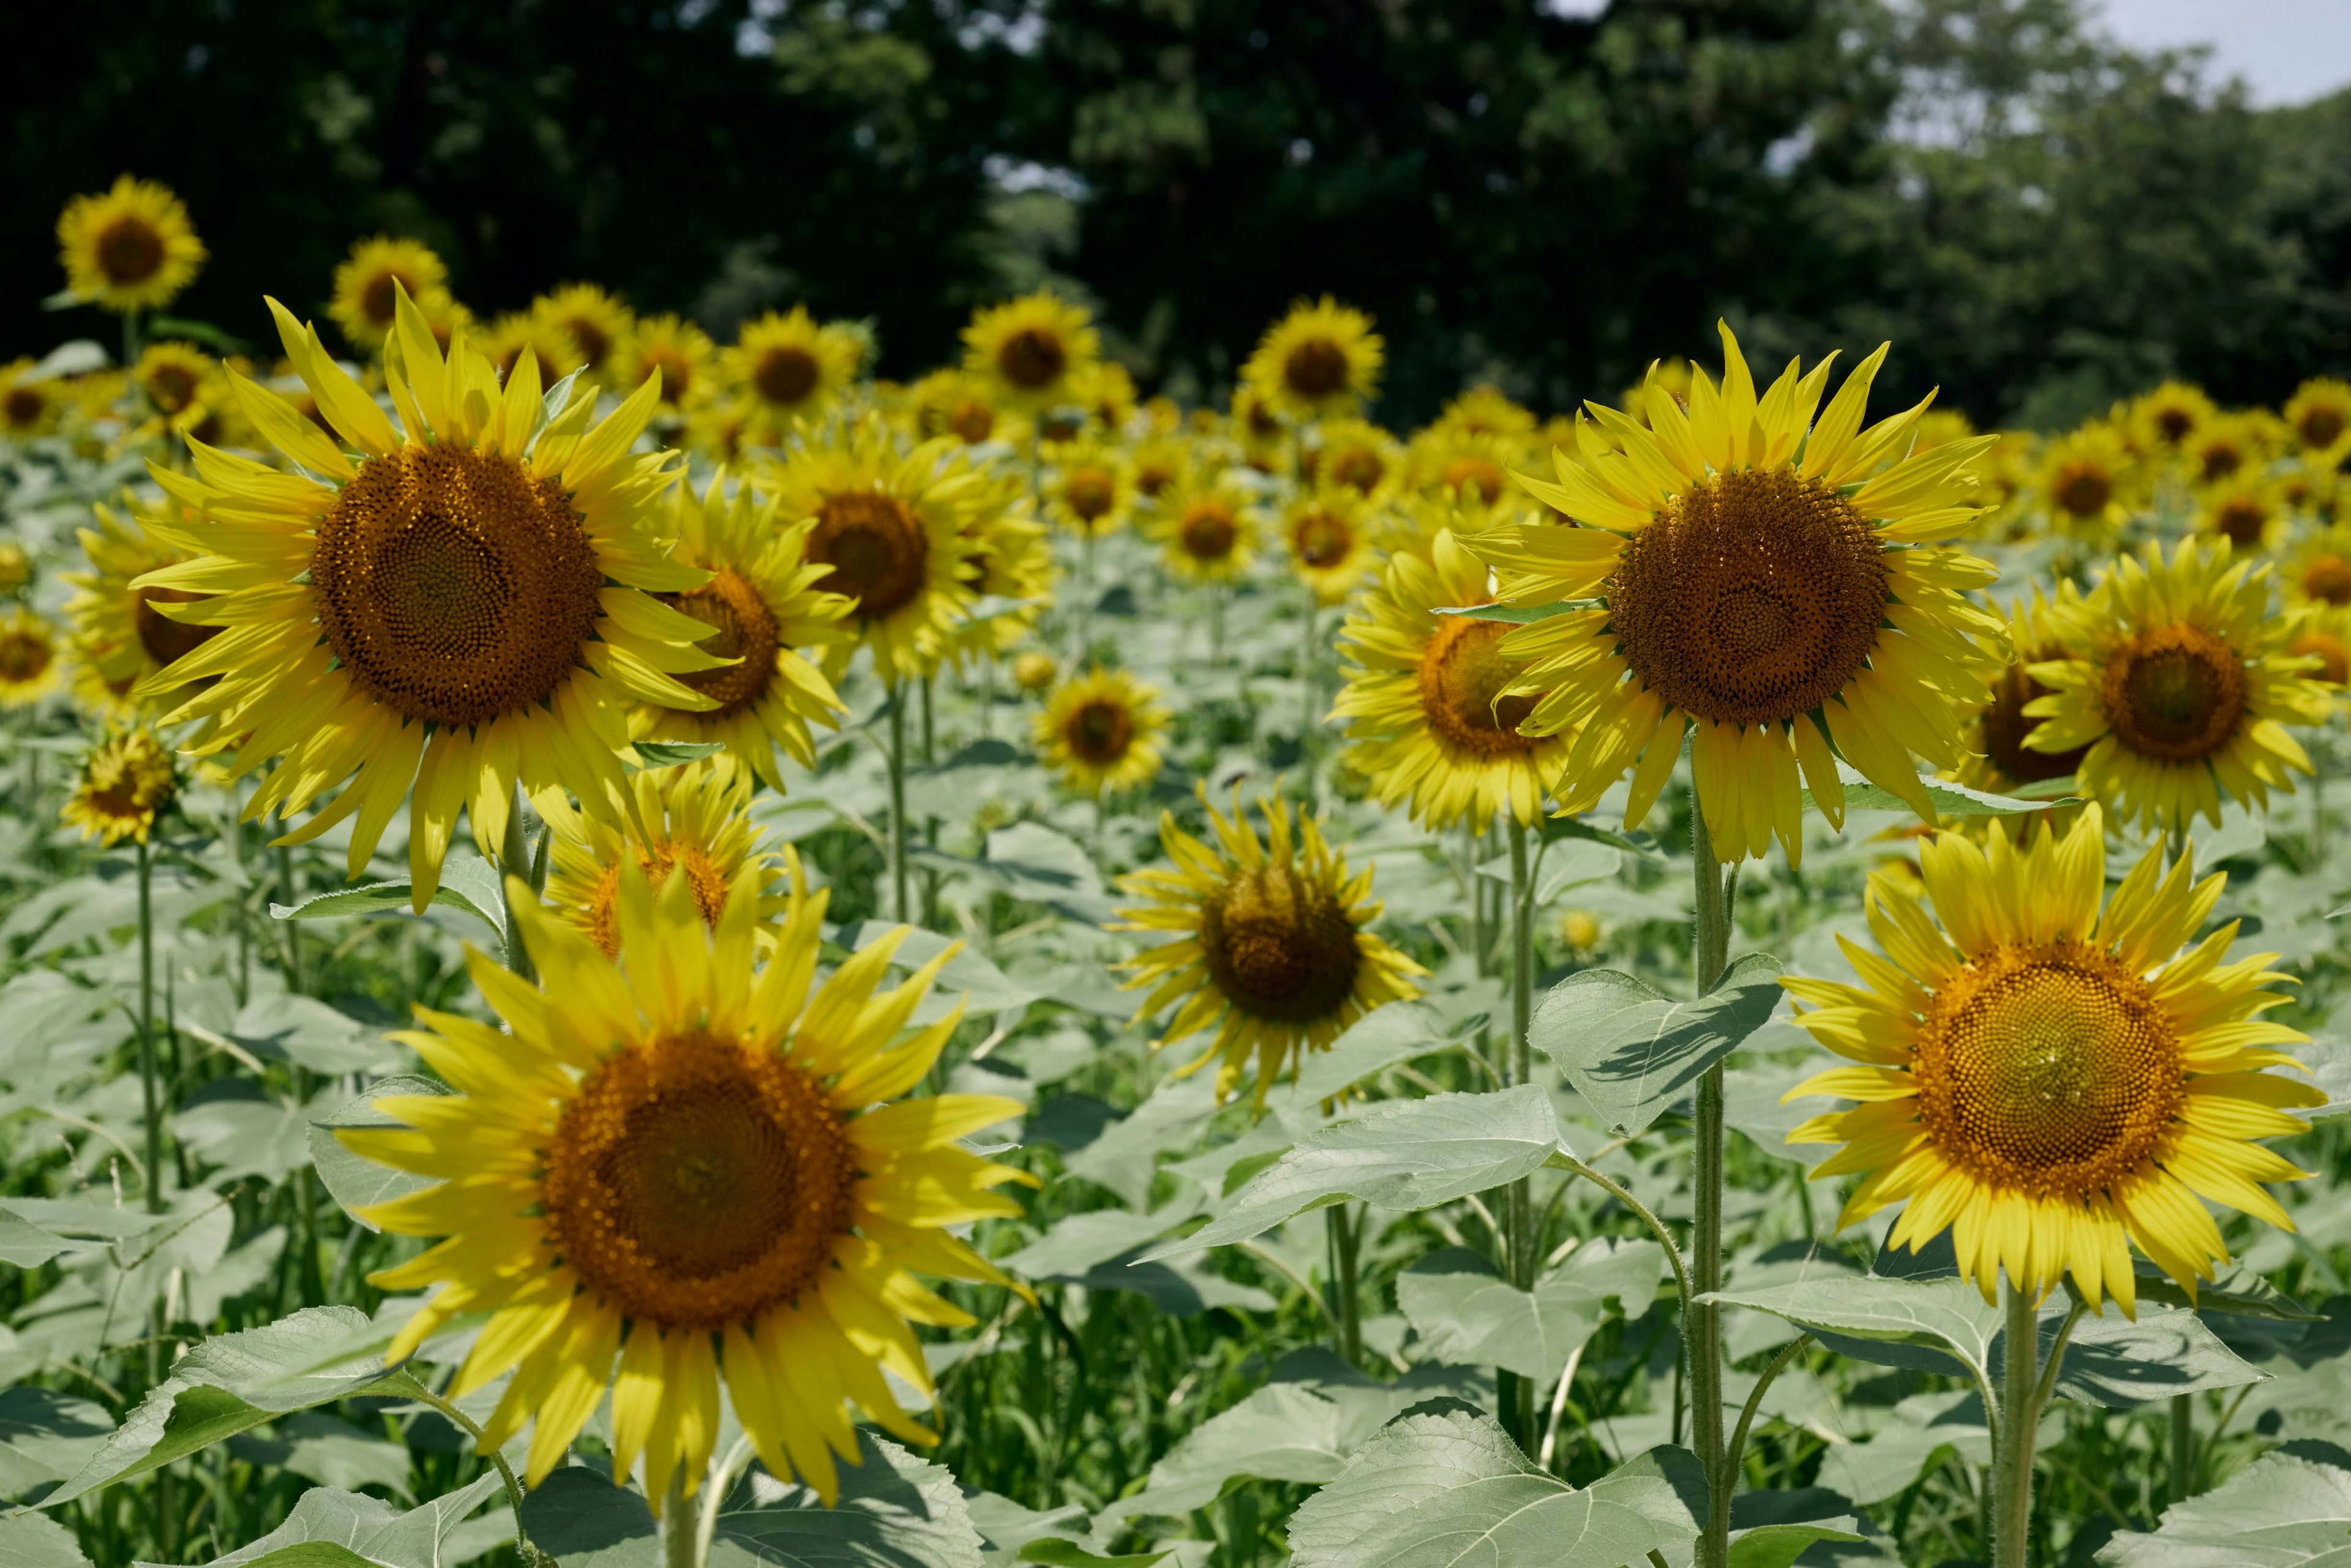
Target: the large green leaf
(1450, 1487)
(1372, 1044)
(1949, 799)
(36, 1541)
(329, 1528)
(1466, 1312)
(46, 1436)
(2280, 1511)
(326, 1449)
(467, 883)
(1633, 1053)
(356, 1183)
(303, 1030)
(27, 1245)
(2118, 1364)
(1031, 862)
(1401, 1155)
(1007, 1529)
(1920, 1323)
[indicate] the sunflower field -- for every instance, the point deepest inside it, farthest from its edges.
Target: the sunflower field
(620, 950)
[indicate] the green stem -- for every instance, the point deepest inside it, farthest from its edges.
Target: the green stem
(681, 1526)
(1306, 703)
(1519, 1214)
(1217, 626)
(2019, 1415)
(1476, 895)
(1085, 598)
(1736, 1455)
(1346, 1236)
(514, 860)
(529, 1553)
(930, 737)
(898, 803)
(2183, 1446)
(293, 927)
(148, 1099)
(986, 695)
(713, 1495)
(1702, 1320)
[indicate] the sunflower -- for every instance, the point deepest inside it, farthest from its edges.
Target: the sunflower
(1486, 410)
(16, 567)
(2323, 632)
(2246, 508)
(2178, 680)
(1471, 468)
(28, 658)
(954, 401)
(1254, 421)
(1101, 732)
(670, 348)
(1321, 360)
(127, 781)
(1207, 528)
(508, 336)
(2162, 421)
(1035, 670)
(2320, 573)
(1429, 697)
(466, 607)
(2088, 481)
(767, 601)
(1330, 538)
(1754, 586)
(1673, 375)
(369, 282)
(1029, 353)
(2319, 414)
(1997, 758)
(790, 367)
(1354, 454)
(1089, 487)
(1269, 947)
(688, 1166)
(119, 638)
(1011, 564)
(27, 407)
(130, 247)
(897, 528)
(1160, 462)
(692, 820)
(2224, 446)
(595, 320)
(1106, 391)
(171, 375)
(2309, 489)
(2049, 1083)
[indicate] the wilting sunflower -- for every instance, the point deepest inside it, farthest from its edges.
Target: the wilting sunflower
(1426, 696)
(2178, 680)
(465, 607)
(1486, 410)
(791, 368)
(687, 1165)
(691, 821)
(1102, 733)
(28, 658)
(766, 601)
(1321, 360)
(369, 282)
(597, 321)
(1029, 352)
(1356, 454)
(119, 638)
(2320, 573)
(1089, 487)
(127, 781)
(130, 247)
(2049, 1083)
(1329, 532)
(1269, 947)
(2161, 421)
(671, 347)
(1207, 528)
(518, 333)
(1754, 584)
(171, 375)
(27, 407)
(2322, 631)
(897, 529)
(1997, 758)
(2089, 481)
(2247, 510)
(2319, 414)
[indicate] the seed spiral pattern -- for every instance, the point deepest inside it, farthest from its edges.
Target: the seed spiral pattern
(745, 631)
(1279, 945)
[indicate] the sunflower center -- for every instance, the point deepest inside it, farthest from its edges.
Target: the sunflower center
(454, 585)
(379, 302)
(1208, 530)
(1323, 539)
(2320, 424)
(2334, 658)
(2173, 424)
(745, 630)
(1462, 676)
(972, 421)
(1153, 477)
(23, 655)
(2175, 693)
(1032, 358)
(2083, 492)
(1315, 368)
(2047, 1069)
(2242, 518)
(166, 639)
(1481, 476)
(786, 375)
(674, 369)
(24, 407)
(2005, 728)
(173, 387)
(129, 250)
(1753, 600)
(1359, 469)
(702, 879)
(2329, 579)
(1091, 492)
(2220, 459)
(878, 552)
(1100, 732)
(594, 342)
(695, 1183)
(1279, 945)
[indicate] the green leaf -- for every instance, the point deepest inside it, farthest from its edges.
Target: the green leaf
(284, 1027)
(1636, 843)
(1580, 862)
(1372, 1044)
(1633, 1052)
(328, 1528)
(1400, 1155)
(1467, 1313)
(354, 1182)
(1778, 1545)
(1949, 799)
(36, 1541)
(466, 884)
(26, 1245)
(1945, 1319)
(2115, 1363)
(2280, 1511)
(1450, 1487)
(1520, 615)
(46, 1436)
(966, 975)
(1005, 1526)
(2237, 1290)
(1063, 1553)
(655, 754)
(204, 332)
(1031, 862)
(327, 1449)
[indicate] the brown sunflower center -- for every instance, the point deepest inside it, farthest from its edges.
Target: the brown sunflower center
(1279, 945)
(1321, 538)
(1462, 677)
(878, 552)
(2047, 1069)
(2083, 491)
(1032, 358)
(745, 630)
(2241, 518)
(695, 1183)
(2334, 658)
(1359, 469)
(2328, 577)
(1091, 492)
(166, 639)
(2321, 424)
(594, 342)
(172, 386)
(1151, 477)
(676, 371)
(454, 585)
(379, 302)
(1481, 477)
(2174, 693)
(1315, 368)
(23, 655)
(2005, 728)
(129, 250)
(1753, 600)
(786, 375)
(1100, 732)
(23, 407)
(2173, 424)
(2219, 459)
(702, 878)
(972, 421)
(1208, 530)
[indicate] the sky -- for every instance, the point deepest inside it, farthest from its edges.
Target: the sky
(2288, 51)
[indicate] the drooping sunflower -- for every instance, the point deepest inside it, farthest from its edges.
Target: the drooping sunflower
(27, 407)
(2178, 680)
(1101, 732)
(28, 658)
(896, 527)
(691, 821)
(671, 347)
(509, 337)
(2246, 509)
(171, 375)
(464, 607)
(1207, 528)
(1269, 946)
(2089, 482)
(1089, 487)
(127, 781)
(1329, 532)
(765, 600)
(1756, 591)
(2319, 414)
(1427, 696)
(130, 247)
(2161, 421)
(369, 282)
(2320, 573)
(119, 638)
(791, 368)
(1356, 454)
(596, 320)
(2051, 1083)
(1029, 353)
(1321, 360)
(1997, 758)
(689, 1166)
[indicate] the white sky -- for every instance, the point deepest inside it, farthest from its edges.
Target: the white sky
(2288, 51)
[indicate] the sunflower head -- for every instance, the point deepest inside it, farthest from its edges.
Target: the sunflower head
(1161, 463)
(1010, 570)
(1029, 353)
(1356, 454)
(2247, 510)
(1998, 759)
(28, 658)
(1580, 930)
(691, 821)
(122, 634)
(1207, 527)
(1470, 469)
(1089, 487)
(2089, 482)
(130, 247)
(1328, 533)
(1106, 391)
(2322, 638)
(127, 781)
(2319, 415)
(509, 337)
(595, 320)
(2320, 571)
(669, 348)
(790, 368)
(27, 407)
(1486, 410)
(370, 281)
(2229, 446)
(2162, 421)
(954, 401)
(1102, 733)
(1035, 670)
(1321, 358)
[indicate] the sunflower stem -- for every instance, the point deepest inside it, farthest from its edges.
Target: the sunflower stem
(514, 860)
(2019, 1415)
(2183, 1446)
(1702, 1320)
(898, 803)
(458, 1418)
(293, 927)
(1306, 703)
(1086, 596)
(681, 1526)
(1519, 1222)
(147, 1086)
(1346, 1236)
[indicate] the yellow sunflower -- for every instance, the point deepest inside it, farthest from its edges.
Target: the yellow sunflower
(2227, 446)
(2309, 489)
(119, 638)
(1254, 422)
(1429, 698)
(2178, 680)
(1012, 564)
(2161, 421)
(2246, 508)
(508, 336)
(897, 529)
(2322, 633)
(596, 321)
(1329, 532)
(2048, 1082)
(671, 347)
(466, 607)
(767, 601)
(1160, 462)
(127, 781)
(1268, 943)
(2319, 414)
(1029, 353)
(130, 247)
(171, 376)
(1035, 670)
(688, 1166)
(1207, 528)
(1486, 410)
(791, 368)
(1106, 391)
(1758, 592)
(28, 658)
(27, 407)
(369, 282)
(1102, 733)
(1089, 487)
(1356, 454)
(2320, 573)
(1321, 360)
(16, 567)
(2088, 482)
(692, 820)
(954, 401)
(1469, 468)
(1997, 757)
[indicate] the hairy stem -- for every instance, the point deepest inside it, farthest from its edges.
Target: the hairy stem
(2020, 1413)
(1702, 1319)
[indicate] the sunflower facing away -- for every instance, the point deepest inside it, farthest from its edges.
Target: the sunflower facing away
(1755, 588)
(765, 600)
(1426, 701)
(119, 638)
(1268, 943)
(1089, 487)
(791, 368)
(128, 780)
(2050, 1083)
(369, 282)
(1029, 353)
(1329, 532)
(1207, 528)
(1320, 361)
(1101, 732)
(28, 658)
(597, 322)
(464, 607)
(690, 1168)
(2181, 682)
(691, 821)
(1997, 759)
(130, 247)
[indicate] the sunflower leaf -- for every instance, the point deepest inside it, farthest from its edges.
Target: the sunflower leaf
(1922, 1323)
(1467, 1313)
(350, 1180)
(658, 754)
(1947, 798)
(2283, 1509)
(36, 1541)
(332, 1528)
(466, 884)
(1632, 1051)
(1520, 615)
